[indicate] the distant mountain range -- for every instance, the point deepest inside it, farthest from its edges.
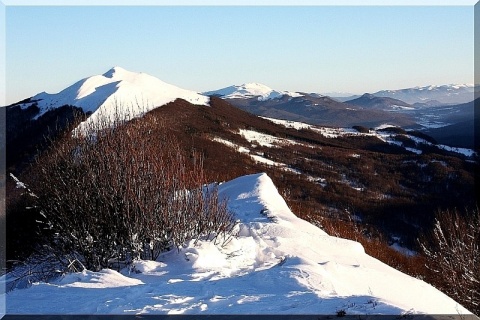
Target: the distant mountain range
(434, 95)
(319, 110)
(120, 85)
(445, 94)
(424, 108)
(311, 108)
(136, 93)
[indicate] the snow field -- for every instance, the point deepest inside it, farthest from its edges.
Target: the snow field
(277, 264)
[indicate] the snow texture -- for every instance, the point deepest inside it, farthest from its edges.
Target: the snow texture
(266, 140)
(278, 264)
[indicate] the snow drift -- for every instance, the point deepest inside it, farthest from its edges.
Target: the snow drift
(278, 264)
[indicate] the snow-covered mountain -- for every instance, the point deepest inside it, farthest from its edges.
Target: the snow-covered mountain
(445, 94)
(126, 93)
(338, 94)
(250, 90)
(278, 264)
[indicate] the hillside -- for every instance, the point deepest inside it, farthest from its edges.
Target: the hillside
(326, 169)
(393, 180)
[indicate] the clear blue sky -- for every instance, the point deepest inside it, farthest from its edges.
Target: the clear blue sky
(315, 49)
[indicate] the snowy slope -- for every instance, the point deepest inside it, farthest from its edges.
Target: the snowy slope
(278, 264)
(119, 91)
(250, 90)
(387, 137)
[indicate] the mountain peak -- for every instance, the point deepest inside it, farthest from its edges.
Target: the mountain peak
(119, 73)
(133, 92)
(368, 96)
(257, 86)
(114, 71)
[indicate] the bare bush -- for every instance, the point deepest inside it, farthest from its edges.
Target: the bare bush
(114, 192)
(452, 251)
(42, 265)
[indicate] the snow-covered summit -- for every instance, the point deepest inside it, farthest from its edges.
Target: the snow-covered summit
(250, 90)
(447, 87)
(119, 72)
(117, 90)
(278, 264)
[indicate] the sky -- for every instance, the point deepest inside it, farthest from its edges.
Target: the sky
(346, 48)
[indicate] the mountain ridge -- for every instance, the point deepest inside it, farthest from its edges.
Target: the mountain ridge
(464, 92)
(445, 94)
(319, 110)
(125, 94)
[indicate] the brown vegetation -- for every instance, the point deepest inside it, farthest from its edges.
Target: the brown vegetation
(452, 251)
(124, 192)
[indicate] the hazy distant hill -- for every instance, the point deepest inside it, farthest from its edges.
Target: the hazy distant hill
(312, 108)
(433, 95)
(462, 130)
(371, 101)
(445, 94)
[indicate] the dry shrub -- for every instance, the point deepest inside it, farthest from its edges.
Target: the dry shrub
(118, 191)
(452, 249)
